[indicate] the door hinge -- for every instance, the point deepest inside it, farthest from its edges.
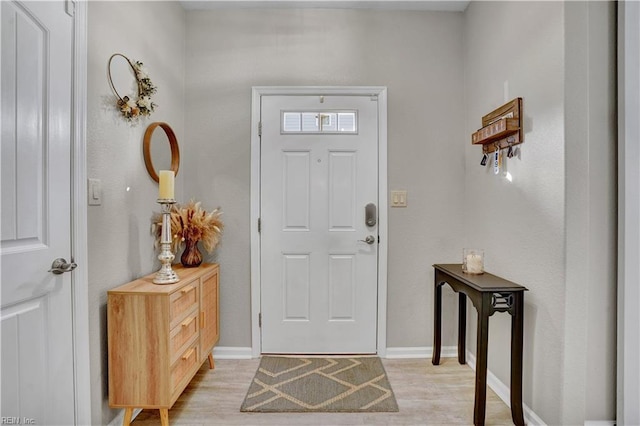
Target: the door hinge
(259, 224)
(70, 7)
(259, 128)
(378, 239)
(260, 319)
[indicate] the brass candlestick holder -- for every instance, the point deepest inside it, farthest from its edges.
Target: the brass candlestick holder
(166, 275)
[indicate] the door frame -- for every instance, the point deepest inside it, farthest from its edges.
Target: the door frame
(79, 247)
(628, 374)
(256, 93)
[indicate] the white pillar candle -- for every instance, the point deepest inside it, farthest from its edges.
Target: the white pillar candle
(474, 264)
(165, 191)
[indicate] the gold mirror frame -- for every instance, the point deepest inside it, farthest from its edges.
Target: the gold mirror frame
(173, 144)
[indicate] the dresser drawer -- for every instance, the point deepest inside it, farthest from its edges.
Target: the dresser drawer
(185, 365)
(184, 332)
(183, 301)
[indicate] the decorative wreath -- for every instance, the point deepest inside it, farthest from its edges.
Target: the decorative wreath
(132, 109)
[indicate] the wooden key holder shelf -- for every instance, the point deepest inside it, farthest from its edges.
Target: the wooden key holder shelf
(501, 128)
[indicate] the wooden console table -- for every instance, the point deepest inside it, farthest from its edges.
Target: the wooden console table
(489, 294)
(159, 336)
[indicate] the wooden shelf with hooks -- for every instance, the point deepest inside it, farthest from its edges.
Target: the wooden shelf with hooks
(501, 128)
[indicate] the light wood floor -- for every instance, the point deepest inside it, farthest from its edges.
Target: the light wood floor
(426, 395)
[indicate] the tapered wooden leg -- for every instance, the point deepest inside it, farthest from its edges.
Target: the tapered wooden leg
(211, 363)
(437, 322)
(479, 406)
(462, 328)
(164, 416)
(128, 413)
(517, 331)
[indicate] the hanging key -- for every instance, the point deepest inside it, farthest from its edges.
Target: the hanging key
(483, 162)
(510, 152)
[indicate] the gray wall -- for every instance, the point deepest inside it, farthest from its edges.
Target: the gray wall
(417, 55)
(520, 224)
(441, 79)
(552, 229)
(119, 239)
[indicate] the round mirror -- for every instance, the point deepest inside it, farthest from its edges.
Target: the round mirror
(161, 151)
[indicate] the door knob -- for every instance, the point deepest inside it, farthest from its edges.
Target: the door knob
(60, 266)
(370, 239)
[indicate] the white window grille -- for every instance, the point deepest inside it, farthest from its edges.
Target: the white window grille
(319, 122)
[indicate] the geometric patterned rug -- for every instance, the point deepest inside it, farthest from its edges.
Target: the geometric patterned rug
(298, 384)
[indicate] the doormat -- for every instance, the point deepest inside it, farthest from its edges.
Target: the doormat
(288, 384)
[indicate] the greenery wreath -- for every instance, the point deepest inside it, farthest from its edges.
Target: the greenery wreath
(132, 109)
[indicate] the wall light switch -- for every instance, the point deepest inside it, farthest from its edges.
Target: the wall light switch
(94, 192)
(398, 198)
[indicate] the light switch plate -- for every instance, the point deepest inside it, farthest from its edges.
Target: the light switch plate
(398, 198)
(94, 192)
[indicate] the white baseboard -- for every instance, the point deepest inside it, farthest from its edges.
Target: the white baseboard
(232, 352)
(599, 423)
(504, 394)
(420, 352)
(117, 420)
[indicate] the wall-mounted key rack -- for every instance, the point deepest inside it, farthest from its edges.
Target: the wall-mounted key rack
(501, 128)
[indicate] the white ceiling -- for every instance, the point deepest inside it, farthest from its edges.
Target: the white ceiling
(428, 5)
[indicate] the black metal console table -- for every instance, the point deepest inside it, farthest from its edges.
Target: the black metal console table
(489, 294)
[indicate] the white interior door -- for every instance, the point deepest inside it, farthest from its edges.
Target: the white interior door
(319, 257)
(36, 305)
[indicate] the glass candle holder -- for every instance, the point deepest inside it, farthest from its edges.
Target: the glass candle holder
(473, 261)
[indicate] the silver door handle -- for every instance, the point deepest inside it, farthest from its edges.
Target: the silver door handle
(370, 239)
(60, 266)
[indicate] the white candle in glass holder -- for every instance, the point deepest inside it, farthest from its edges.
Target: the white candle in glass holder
(166, 185)
(474, 264)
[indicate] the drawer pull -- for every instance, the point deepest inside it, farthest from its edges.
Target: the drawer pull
(188, 321)
(188, 354)
(187, 289)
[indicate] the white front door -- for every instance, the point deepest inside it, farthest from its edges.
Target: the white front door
(319, 256)
(36, 305)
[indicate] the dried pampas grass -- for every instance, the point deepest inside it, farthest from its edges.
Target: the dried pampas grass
(191, 222)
